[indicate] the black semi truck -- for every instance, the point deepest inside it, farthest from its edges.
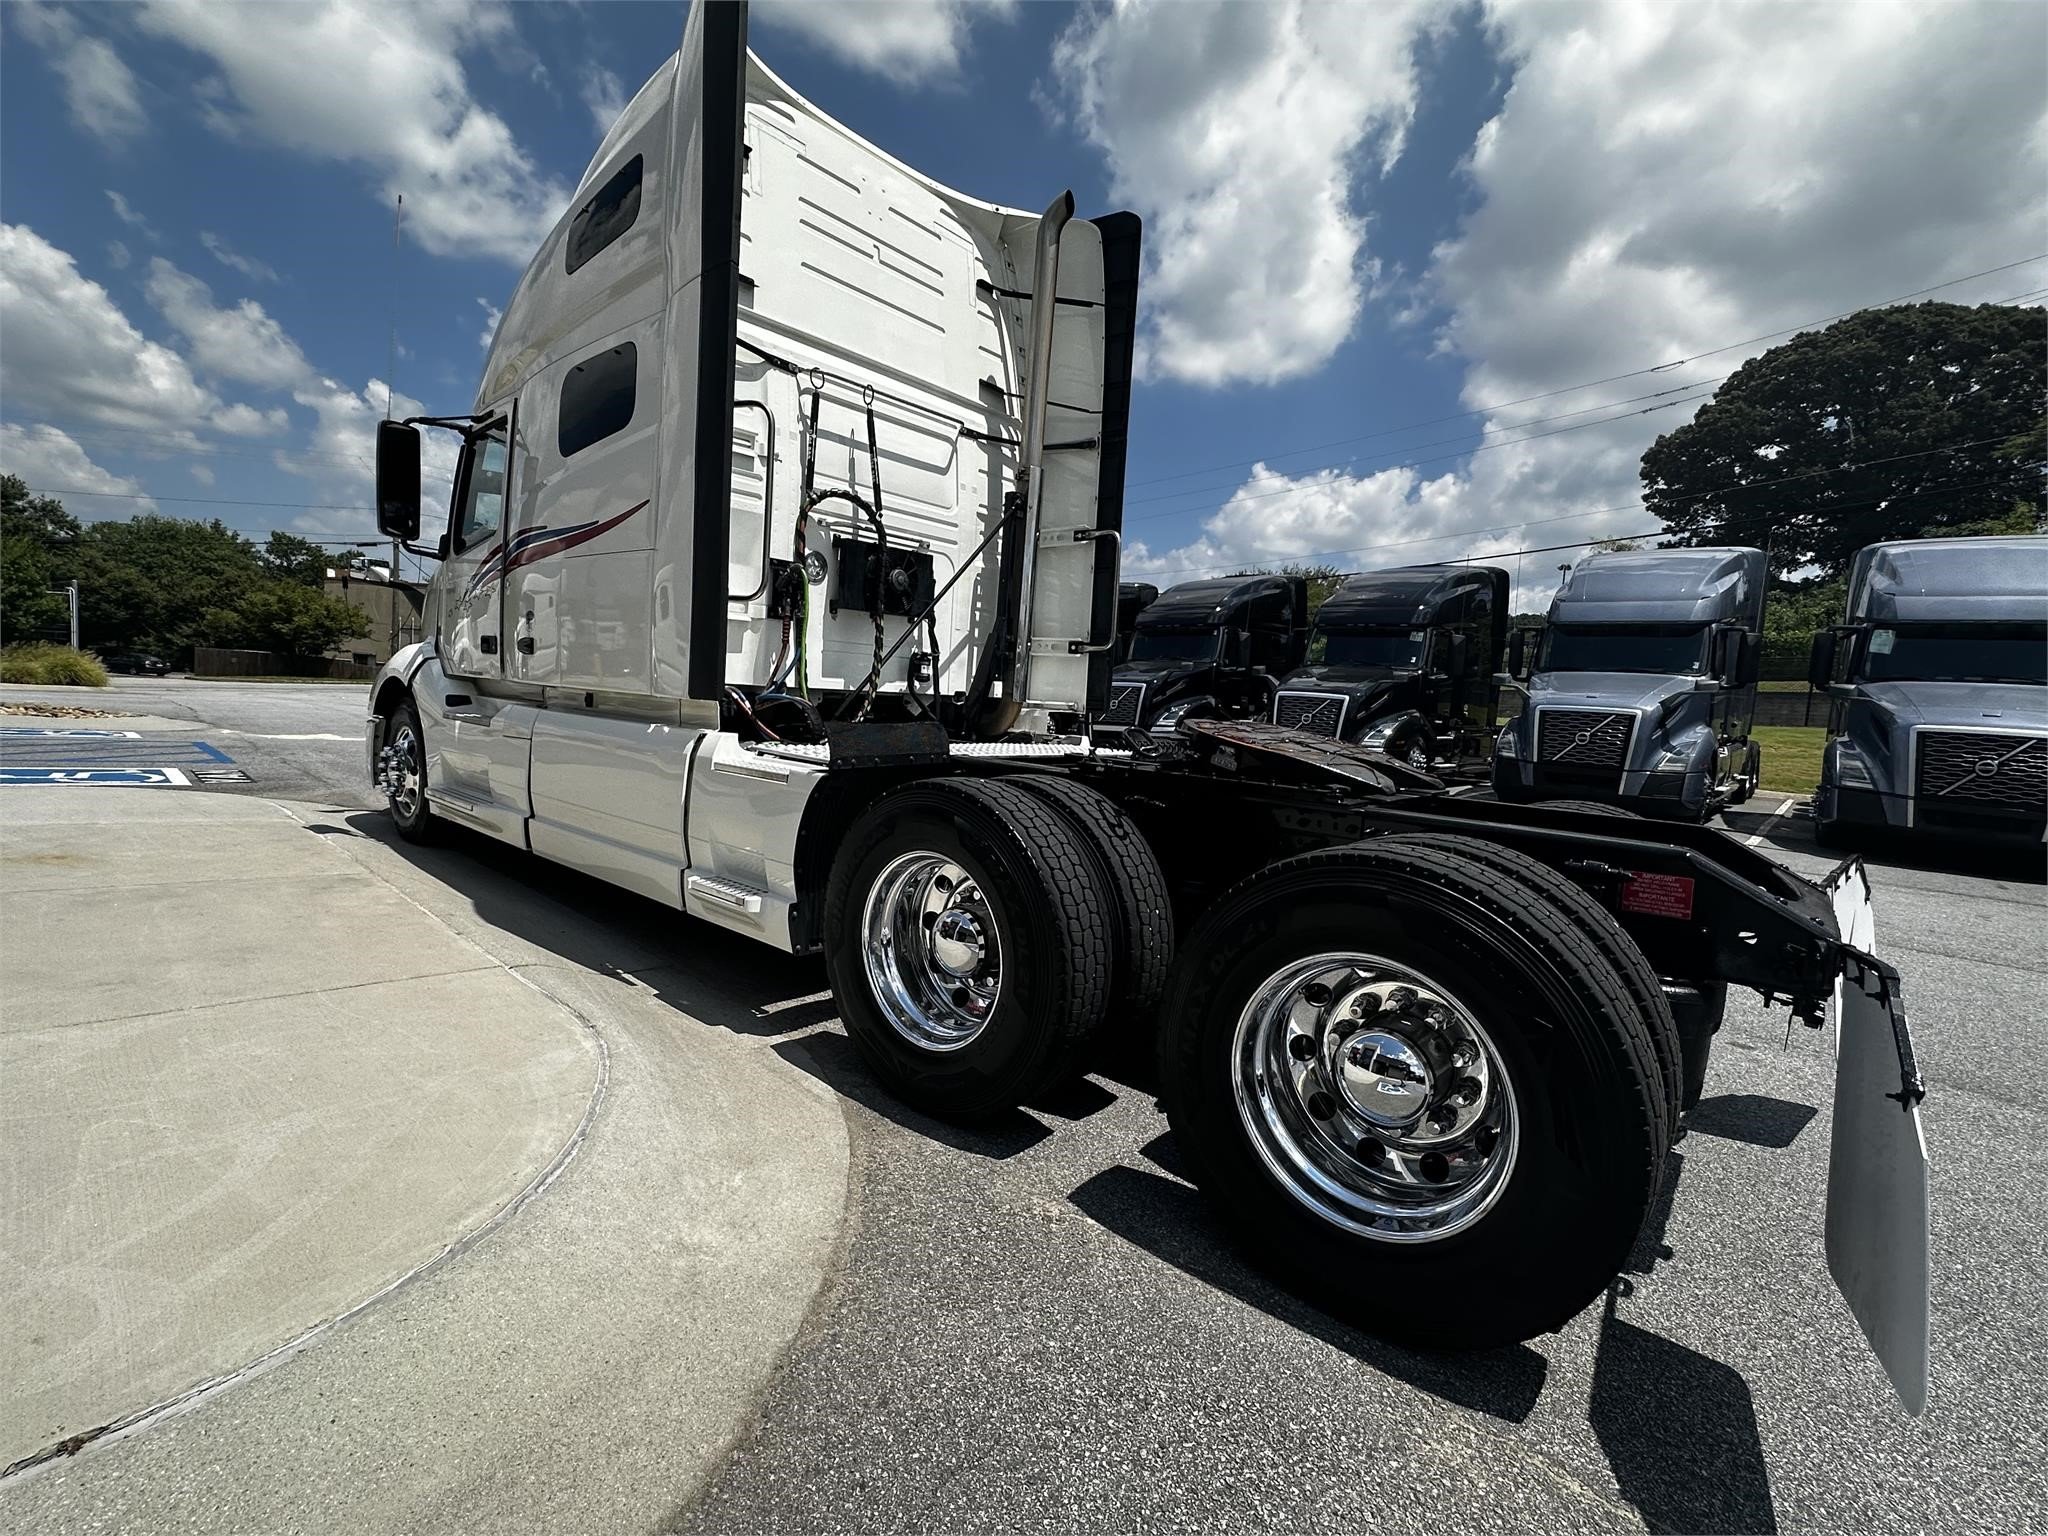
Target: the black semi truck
(1209, 650)
(1403, 662)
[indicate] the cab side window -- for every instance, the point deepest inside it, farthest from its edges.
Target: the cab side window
(483, 492)
(606, 216)
(597, 398)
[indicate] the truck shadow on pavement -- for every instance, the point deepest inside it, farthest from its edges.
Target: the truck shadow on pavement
(1678, 1428)
(1793, 833)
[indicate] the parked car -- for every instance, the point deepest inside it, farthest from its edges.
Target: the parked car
(139, 664)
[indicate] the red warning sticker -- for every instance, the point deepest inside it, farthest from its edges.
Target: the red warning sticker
(1657, 895)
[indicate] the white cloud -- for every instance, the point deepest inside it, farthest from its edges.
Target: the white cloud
(202, 474)
(129, 216)
(909, 42)
(341, 458)
(492, 315)
(401, 108)
(242, 343)
(1240, 132)
(100, 90)
(1665, 180)
(228, 256)
(247, 421)
(52, 460)
(605, 94)
(73, 355)
(117, 254)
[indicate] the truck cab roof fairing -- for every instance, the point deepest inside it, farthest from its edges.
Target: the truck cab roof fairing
(1663, 586)
(1202, 603)
(1971, 580)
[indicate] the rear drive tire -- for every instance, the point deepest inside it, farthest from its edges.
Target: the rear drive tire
(405, 778)
(1141, 948)
(968, 937)
(1510, 1198)
(1573, 904)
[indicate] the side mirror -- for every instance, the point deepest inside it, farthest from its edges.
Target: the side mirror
(1820, 664)
(1461, 654)
(1518, 653)
(1752, 655)
(398, 481)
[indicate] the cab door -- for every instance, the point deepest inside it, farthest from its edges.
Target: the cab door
(468, 637)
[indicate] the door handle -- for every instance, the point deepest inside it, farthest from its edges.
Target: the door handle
(525, 645)
(488, 644)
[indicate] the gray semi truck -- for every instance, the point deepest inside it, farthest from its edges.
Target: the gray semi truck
(1403, 661)
(1208, 650)
(1939, 685)
(1643, 692)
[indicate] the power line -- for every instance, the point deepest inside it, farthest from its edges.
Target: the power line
(210, 501)
(1745, 520)
(1568, 389)
(1303, 490)
(1726, 490)
(1515, 426)
(1296, 489)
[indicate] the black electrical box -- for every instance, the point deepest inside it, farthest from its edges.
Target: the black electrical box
(785, 589)
(903, 577)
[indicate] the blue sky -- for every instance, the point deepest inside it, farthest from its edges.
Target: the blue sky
(1361, 221)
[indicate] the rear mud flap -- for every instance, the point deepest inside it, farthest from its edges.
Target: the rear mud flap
(1877, 1241)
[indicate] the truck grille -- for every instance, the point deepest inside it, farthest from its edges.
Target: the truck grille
(1585, 738)
(1320, 713)
(1983, 768)
(1126, 700)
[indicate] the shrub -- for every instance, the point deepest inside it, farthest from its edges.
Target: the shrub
(51, 666)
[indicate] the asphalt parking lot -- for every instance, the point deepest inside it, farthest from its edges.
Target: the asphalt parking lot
(1035, 1326)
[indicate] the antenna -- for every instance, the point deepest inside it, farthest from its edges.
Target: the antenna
(391, 365)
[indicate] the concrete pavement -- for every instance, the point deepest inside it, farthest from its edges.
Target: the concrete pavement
(345, 1205)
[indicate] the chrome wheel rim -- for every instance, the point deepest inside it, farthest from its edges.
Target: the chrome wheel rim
(1375, 1097)
(402, 775)
(933, 954)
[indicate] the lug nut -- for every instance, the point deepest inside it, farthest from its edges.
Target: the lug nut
(1435, 1015)
(1466, 1090)
(1316, 995)
(1301, 1047)
(1442, 1120)
(1367, 1005)
(1400, 997)
(1463, 1054)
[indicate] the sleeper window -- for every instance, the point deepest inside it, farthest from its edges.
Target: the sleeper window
(606, 216)
(597, 398)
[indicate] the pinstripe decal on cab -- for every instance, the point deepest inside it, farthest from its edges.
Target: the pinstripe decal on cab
(533, 544)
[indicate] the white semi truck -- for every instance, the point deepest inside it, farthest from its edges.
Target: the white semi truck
(780, 587)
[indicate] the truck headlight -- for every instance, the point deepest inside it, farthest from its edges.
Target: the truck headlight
(1672, 762)
(1850, 768)
(1504, 744)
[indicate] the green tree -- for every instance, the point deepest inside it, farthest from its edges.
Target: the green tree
(150, 581)
(1920, 418)
(35, 533)
(291, 558)
(287, 617)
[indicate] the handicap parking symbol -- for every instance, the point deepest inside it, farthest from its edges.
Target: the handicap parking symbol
(133, 778)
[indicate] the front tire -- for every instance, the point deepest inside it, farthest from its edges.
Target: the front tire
(404, 776)
(1464, 1162)
(968, 938)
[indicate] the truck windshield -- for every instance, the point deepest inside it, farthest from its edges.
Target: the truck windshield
(1979, 653)
(1367, 647)
(1174, 645)
(1665, 649)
